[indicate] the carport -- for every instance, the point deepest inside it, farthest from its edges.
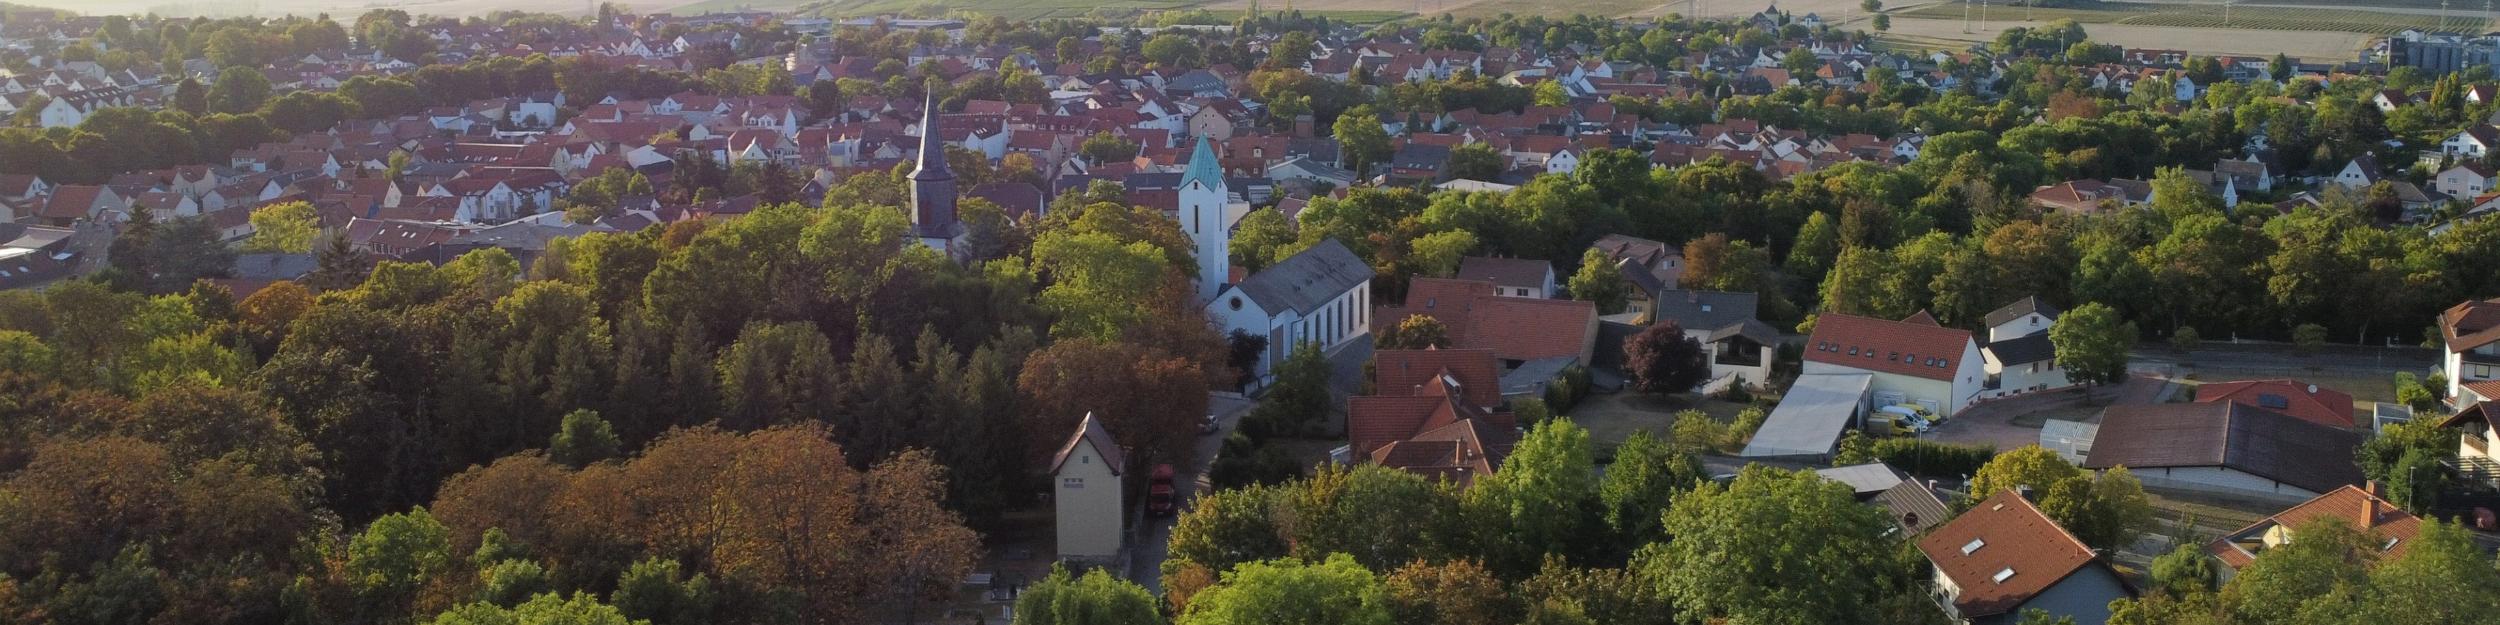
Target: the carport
(1809, 420)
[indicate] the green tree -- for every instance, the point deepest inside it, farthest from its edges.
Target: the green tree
(1336, 591)
(1298, 403)
(1439, 253)
(1104, 147)
(286, 227)
(1475, 161)
(1457, 592)
(545, 609)
(1364, 141)
(1599, 281)
(1739, 550)
(2186, 570)
(1172, 50)
(656, 590)
(2092, 343)
(397, 554)
(239, 90)
(1645, 476)
(1094, 598)
(1258, 239)
(1543, 499)
(584, 439)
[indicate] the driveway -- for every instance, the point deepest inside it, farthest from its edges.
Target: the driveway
(2015, 421)
(1154, 539)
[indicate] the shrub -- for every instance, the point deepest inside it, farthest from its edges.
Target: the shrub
(1932, 458)
(2186, 338)
(2309, 337)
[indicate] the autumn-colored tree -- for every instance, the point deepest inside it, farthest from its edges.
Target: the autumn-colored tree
(1150, 400)
(1414, 332)
(1457, 592)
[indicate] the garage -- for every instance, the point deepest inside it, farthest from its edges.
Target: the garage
(1809, 421)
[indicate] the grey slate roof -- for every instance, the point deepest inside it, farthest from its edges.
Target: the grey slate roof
(2027, 305)
(268, 266)
(2032, 348)
(1510, 272)
(1307, 280)
(1705, 310)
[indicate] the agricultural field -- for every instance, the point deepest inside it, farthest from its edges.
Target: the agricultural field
(2282, 18)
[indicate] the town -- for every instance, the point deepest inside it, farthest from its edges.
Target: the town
(1229, 317)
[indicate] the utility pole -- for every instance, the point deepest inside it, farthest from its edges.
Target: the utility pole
(1983, 16)
(1966, 16)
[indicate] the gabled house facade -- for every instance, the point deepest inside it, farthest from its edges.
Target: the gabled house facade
(1914, 362)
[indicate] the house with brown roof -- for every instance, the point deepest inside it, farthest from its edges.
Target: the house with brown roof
(1913, 361)
(2471, 333)
(2225, 447)
(2004, 557)
(2308, 402)
(1660, 264)
(1435, 412)
(1513, 277)
(1519, 330)
(2476, 440)
(2360, 508)
(1085, 477)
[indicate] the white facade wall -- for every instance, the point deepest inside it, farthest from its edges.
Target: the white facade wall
(1090, 512)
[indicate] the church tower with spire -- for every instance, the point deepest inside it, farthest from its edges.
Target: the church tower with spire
(933, 186)
(1203, 197)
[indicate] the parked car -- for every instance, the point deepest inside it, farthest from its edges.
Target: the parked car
(1900, 421)
(1159, 491)
(1207, 425)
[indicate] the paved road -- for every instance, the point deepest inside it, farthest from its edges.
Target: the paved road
(1155, 537)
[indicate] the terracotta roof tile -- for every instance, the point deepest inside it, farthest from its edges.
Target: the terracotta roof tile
(1897, 347)
(2002, 553)
(2358, 508)
(2309, 402)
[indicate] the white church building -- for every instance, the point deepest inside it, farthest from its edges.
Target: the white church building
(1321, 295)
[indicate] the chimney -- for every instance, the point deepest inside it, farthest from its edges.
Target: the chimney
(1302, 125)
(2023, 491)
(2375, 488)
(2369, 514)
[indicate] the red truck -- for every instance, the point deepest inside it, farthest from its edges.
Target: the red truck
(1159, 491)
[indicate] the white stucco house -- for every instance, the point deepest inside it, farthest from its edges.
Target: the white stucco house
(1085, 487)
(2020, 358)
(1914, 361)
(2470, 333)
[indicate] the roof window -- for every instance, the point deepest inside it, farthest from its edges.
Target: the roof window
(1973, 546)
(2003, 575)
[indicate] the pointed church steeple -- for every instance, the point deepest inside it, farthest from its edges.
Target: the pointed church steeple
(1204, 216)
(932, 183)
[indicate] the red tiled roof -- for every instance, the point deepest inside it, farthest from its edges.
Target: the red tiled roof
(1401, 372)
(2469, 325)
(2004, 533)
(1374, 421)
(1897, 347)
(2308, 402)
(1515, 328)
(2355, 506)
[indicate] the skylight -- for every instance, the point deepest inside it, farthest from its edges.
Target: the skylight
(2003, 575)
(1973, 546)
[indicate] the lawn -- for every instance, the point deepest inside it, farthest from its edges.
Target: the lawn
(2357, 20)
(1610, 418)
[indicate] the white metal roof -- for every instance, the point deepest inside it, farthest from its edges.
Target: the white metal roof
(1809, 420)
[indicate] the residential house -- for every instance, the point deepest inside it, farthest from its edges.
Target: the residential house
(2476, 440)
(1914, 361)
(1663, 263)
(1740, 346)
(2468, 179)
(2307, 402)
(2004, 558)
(1436, 412)
(2020, 357)
(1511, 277)
(1519, 330)
(2471, 143)
(2389, 526)
(2471, 333)
(1087, 493)
(2225, 447)
(2359, 173)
